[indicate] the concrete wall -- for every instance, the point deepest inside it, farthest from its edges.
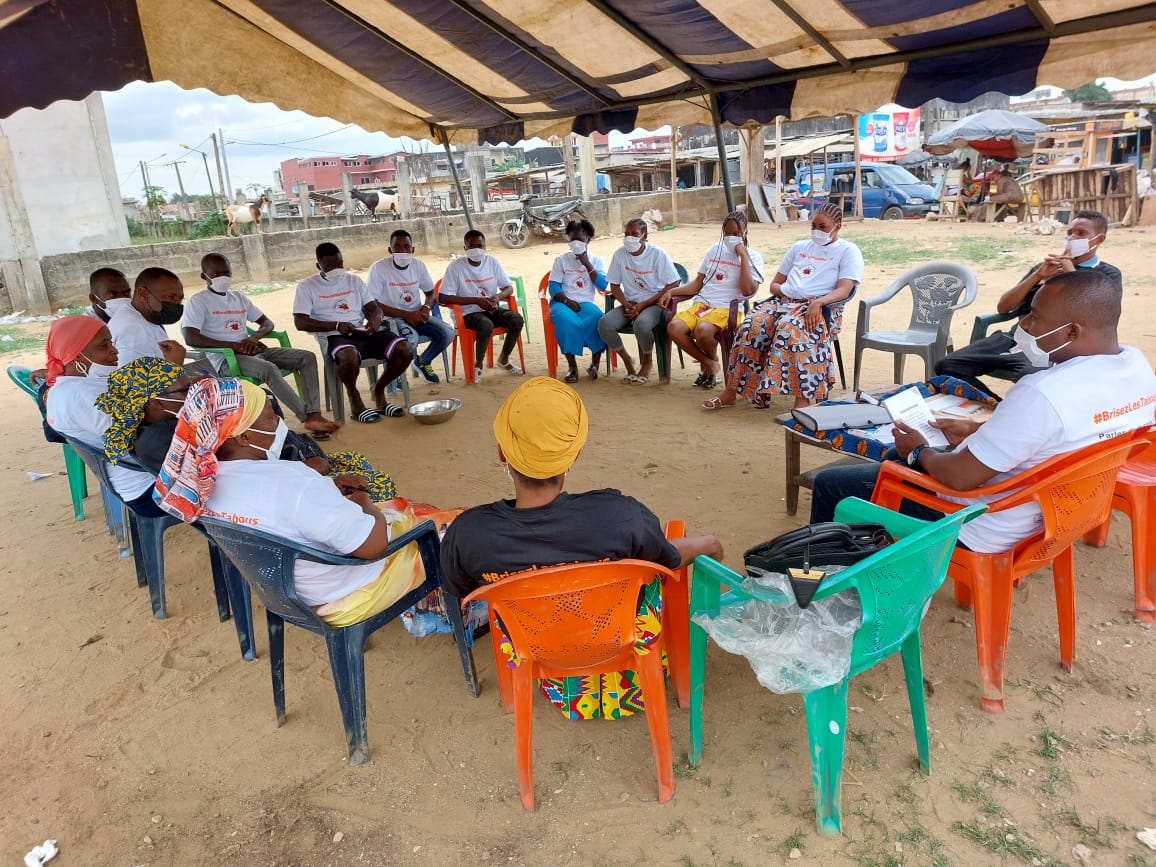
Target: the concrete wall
(283, 255)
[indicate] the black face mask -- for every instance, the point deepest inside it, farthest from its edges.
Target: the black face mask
(170, 313)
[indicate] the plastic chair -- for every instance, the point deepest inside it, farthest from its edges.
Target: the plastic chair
(661, 339)
(230, 357)
(566, 621)
(1135, 496)
(467, 337)
(895, 587)
(552, 351)
(149, 559)
(335, 388)
(520, 290)
(1074, 494)
(979, 331)
(74, 467)
(935, 296)
(268, 562)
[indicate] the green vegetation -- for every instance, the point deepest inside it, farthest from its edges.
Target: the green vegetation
(209, 226)
(997, 252)
(15, 340)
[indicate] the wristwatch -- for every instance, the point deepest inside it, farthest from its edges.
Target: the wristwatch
(913, 455)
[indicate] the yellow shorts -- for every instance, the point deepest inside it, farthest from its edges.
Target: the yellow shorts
(719, 317)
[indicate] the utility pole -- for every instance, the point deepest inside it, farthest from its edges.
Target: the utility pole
(208, 174)
(181, 185)
(225, 161)
(220, 176)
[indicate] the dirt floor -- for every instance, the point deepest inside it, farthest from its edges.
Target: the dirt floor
(134, 741)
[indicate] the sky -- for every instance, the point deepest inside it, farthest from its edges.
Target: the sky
(150, 122)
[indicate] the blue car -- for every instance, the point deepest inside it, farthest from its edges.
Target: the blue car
(890, 192)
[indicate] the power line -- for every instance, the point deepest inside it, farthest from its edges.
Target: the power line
(293, 141)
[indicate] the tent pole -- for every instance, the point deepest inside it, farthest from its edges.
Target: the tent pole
(779, 209)
(722, 153)
(458, 181)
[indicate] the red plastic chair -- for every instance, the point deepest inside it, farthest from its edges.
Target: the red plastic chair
(467, 336)
(1135, 496)
(567, 621)
(1074, 493)
(552, 351)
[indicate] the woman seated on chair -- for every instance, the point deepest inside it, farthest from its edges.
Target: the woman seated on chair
(81, 356)
(729, 272)
(540, 430)
(573, 313)
(144, 399)
(784, 345)
(224, 463)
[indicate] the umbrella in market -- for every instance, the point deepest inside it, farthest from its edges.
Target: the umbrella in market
(994, 133)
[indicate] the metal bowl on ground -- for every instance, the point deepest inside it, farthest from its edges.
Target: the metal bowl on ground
(435, 411)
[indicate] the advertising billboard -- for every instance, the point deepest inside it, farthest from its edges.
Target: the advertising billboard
(888, 133)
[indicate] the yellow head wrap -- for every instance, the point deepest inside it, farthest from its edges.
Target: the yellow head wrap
(253, 397)
(541, 428)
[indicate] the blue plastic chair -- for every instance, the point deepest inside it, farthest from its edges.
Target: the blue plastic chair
(147, 536)
(895, 587)
(268, 563)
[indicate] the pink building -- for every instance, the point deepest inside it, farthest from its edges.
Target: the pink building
(324, 172)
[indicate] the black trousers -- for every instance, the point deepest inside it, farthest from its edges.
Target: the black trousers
(982, 357)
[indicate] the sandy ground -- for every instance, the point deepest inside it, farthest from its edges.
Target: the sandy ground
(134, 741)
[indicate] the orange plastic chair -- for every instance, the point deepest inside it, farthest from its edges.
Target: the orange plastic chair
(1074, 493)
(1135, 496)
(566, 621)
(552, 351)
(467, 336)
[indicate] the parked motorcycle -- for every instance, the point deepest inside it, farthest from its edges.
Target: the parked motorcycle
(548, 222)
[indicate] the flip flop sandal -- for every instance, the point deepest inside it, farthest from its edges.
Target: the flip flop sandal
(716, 403)
(572, 376)
(369, 416)
(592, 372)
(511, 368)
(708, 383)
(321, 435)
(700, 380)
(392, 410)
(636, 379)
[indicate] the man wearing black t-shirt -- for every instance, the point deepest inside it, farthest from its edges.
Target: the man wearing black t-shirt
(1086, 233)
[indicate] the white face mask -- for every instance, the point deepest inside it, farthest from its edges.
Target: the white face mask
(91, 368)
(221, 284)
(402, 260)
(112, 305)
(820, 237)
(631, 244)
(731, 242)
(1078, 247)
(577, 247)
(335, 275)
(279, 433)
(1029, 345)
(476, 254)
(180, 401)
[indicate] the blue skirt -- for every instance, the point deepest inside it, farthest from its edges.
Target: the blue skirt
(576, 331)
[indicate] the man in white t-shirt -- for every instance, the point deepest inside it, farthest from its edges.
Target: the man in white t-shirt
(477, 283)
(138, 329)
(729, 272)
(639, 274)
(403, 288)
(337, 308)
(104, 285)
(218, 317)
(1089, 389)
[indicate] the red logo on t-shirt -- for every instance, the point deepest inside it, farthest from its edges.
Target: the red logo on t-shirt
(406, 297)
(719, 276)
(806, 272)
(234, 326)
(343, 306)
(484, 293)
(579, 284)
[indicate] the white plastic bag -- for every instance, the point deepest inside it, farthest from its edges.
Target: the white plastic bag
(791, 649)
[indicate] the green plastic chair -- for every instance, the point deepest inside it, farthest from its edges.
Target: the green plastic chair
(231, 359)
(73, 465)
(520, 291)
(895, 588)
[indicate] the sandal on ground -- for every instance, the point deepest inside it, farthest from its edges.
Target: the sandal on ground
(592, 372)
(715, 403)
(477, 374)
(636, 379)
(510, 368)
(321, 435)
(572, 376)
(392, 410)
(708, 382)
(369, 416)
(700, 380)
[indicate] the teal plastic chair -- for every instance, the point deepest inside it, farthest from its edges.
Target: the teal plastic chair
(895, 588)
(73, 465)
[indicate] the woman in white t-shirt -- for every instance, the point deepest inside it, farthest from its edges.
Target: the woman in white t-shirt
(784, 345)
(575, 277)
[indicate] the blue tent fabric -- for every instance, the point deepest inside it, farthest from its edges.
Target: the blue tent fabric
(500, 70)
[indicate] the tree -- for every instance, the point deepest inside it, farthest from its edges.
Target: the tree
(255, 188)
(1093, 91)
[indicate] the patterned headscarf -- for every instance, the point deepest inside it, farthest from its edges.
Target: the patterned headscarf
(129, 388)
(67, 338)
(215, 410)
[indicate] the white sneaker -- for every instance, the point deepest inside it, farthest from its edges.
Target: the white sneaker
(477, 374)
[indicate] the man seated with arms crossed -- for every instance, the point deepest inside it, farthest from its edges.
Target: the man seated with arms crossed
(217, 317)
(1088, 389)
(476, 283)
(105, 285)
(336, 307)
(138, 329)
(639, 274)
(540, 430)
(403, 288)
(1086, 233)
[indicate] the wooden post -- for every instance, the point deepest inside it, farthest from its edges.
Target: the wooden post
(404, 178)
(780, 211)
(858, 174)
(347, 197)
(674, 136)
(303, 200)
